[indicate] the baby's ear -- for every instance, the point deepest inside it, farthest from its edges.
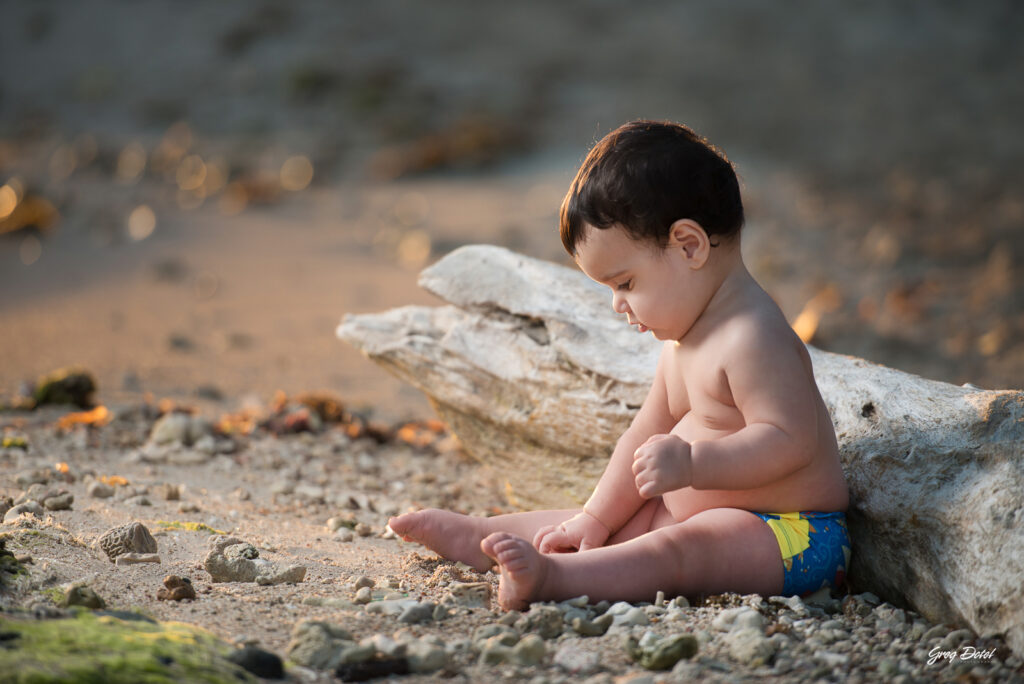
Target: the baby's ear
(689, 237)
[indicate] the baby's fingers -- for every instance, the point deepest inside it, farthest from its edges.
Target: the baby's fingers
(644, 482)
(543, 532)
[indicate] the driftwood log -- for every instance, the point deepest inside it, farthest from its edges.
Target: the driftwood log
(538, 378)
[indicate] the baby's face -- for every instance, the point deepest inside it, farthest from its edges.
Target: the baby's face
(650, 285)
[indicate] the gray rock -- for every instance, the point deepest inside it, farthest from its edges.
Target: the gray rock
(634, 617)
(363, 581)
(388, 607)
(507, 636)
(356, 653)
(426, 657)
(100, 490)
(421, 612)
(545, 620)
(206, 444)
(35, 492)
(290, 574)
(363, 595)
(27, 478)
(530, 650)
(662, 653)
(171, 428)
(138, 500)
(830, 659)
(83, 596)
(318, 645)
(596, 627)
(30, 507)
(574, 661)
(131, 538)
(495, 654)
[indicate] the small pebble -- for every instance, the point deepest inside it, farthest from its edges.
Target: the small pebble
(421, 612)
(60, 502)
(363, 581)
(595, 627)
(100, 490)
(363, 596)
(575, 661)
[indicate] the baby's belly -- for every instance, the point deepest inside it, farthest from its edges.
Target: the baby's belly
(818, 487)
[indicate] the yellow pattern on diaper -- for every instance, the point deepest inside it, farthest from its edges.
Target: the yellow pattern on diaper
(793, 533)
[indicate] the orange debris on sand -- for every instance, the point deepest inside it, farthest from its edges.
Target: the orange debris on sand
(421, 433)
(97, 417)
(113, 480)
(241, 423)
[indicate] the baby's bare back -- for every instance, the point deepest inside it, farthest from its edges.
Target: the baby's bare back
(707, 394)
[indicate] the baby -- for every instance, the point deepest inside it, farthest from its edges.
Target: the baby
(728, 478)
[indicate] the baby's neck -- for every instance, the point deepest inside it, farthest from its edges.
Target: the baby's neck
(728, 281)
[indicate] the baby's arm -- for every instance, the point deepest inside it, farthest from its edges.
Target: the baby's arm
(615, 499)
(772, 384)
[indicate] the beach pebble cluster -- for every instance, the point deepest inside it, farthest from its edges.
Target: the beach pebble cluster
(348, 600)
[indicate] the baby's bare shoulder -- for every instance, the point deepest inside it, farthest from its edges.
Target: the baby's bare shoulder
(760, 329)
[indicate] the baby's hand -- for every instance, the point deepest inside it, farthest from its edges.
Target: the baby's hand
(662, 464)
(582, 532)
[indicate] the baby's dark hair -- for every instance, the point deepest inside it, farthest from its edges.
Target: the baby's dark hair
(645, 176)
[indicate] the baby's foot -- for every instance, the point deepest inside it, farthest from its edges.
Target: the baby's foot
(451, 535)
(523, 569)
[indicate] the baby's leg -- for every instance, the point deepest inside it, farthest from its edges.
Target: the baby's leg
(723, 549)
(457, 537)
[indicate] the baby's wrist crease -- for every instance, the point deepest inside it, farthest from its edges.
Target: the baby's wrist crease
(600, 522)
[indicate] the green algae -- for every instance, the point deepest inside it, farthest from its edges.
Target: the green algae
(103, 648)
(10, 568)
(191, 526)
(55, 594)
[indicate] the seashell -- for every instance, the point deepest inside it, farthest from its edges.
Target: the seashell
(130, 538)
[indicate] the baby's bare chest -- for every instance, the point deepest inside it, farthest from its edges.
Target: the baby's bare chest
(698, 392)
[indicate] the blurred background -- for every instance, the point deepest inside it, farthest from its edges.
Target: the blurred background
(192, 194)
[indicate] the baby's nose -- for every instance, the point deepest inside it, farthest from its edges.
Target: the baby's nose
(619, 303)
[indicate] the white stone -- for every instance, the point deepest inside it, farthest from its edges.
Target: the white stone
(575, 661)
(750, 647)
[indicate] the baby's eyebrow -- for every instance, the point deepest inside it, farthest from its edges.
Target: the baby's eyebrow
(611, 276)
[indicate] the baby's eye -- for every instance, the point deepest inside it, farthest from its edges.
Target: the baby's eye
(626, 285)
